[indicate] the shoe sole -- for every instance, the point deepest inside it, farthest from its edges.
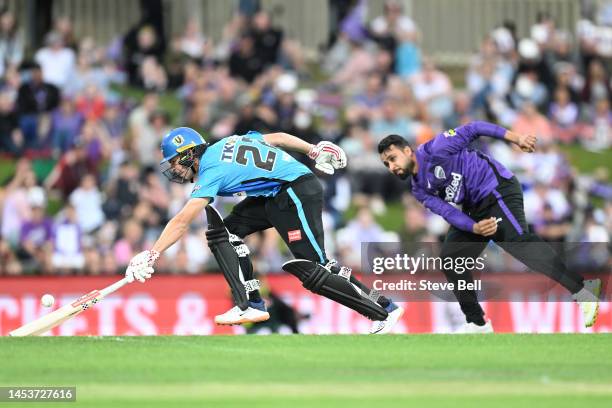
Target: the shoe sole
(259, 319)
(401, 313)
(597, 294)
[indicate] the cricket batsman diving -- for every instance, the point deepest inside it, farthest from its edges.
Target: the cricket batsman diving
(445, 171)
(281, 193)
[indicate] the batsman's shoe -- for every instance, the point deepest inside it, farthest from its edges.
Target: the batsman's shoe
(473, 328)
(385, 326)
(588, 300)
(256, 312)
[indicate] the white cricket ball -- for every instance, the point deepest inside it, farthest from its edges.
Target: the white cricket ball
(47, 300)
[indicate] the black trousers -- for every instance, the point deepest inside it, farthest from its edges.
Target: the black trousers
(513, 235)
(295, 212)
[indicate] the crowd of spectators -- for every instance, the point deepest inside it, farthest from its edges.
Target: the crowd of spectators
(103, 200)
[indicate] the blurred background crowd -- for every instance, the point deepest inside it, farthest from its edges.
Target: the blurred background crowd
(81, 122)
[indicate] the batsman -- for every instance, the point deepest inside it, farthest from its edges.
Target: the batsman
(444, 173)
(281, 193)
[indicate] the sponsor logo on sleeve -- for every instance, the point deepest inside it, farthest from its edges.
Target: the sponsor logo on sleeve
(449, 133)
(295, 235)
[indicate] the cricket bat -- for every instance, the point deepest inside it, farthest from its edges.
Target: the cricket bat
(53, 319)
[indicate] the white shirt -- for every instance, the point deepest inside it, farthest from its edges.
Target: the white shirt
(57, 65)
(88, 205)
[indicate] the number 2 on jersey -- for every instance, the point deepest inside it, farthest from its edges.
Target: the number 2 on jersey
(242, 158)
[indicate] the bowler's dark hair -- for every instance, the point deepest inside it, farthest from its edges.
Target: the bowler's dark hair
(392, 140)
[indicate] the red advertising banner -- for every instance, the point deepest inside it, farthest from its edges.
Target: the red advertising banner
(185, 305)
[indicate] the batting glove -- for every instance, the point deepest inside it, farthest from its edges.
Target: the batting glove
(141, 266)
(328, 157)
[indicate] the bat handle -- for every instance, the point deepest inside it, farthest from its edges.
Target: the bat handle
(115, 286)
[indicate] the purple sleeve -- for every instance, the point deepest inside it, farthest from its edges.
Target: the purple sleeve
(438, 206)
(454, 140)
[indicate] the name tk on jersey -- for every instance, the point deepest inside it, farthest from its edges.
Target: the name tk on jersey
(227, 154)
(453, 188)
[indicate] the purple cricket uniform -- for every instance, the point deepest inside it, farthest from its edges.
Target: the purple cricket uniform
(449, 172)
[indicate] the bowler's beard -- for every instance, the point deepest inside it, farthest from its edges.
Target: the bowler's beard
(407, 171)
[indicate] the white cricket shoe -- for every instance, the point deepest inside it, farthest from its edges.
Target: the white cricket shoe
(238, 316)
(588, 300)
(472, 328)
(385, 326)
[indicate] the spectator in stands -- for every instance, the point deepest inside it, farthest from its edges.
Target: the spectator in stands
(130, 244)
(530, 122)
(11, 138)
(146, 143)
(87, 203)
(15, 205)
(390, 122)
(266, 38)
(433, 90)
(599, 132)
(138, 119)
(9, 263)
(66, 123)
(56, 60)
(192, 43)
(597, 84)
(245, 63)
(122, 192)
(64, 27)
(36, 238)
(67, 172)
(393, 28)
(35, 99)
(564, 116)
(145, 43)
(67, 242)
(11, 42)
(90, 102)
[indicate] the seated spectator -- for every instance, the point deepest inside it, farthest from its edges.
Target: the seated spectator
(528, 88)
(87, 203)
(36, 238)
(9, 263)
(361, 229)
(95, 141)
(267, 39)
(531, 122)
(15, 205)
(598, 135)
(90, 102)
(550, 227)
(390, 122)
(597, 85)
(432, 88)
(66, 123)
(67, 242)
(34, 99)
(192, 42)
(564, 116)
(130, 244)
(540, 199)
(11, 42)
(245, 63)
(67, 172)
(140, 43)
(145, 145)
(11, 138)
(56, 60)
(122, 192)
(139, 118)
(152, 75)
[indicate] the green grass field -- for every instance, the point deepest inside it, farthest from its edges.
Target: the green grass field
(317, 371)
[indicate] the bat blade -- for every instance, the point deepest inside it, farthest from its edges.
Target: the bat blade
(59, 316)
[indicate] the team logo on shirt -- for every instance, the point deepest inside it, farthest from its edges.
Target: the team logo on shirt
(439, 172)
(452, 189)
(449, 133)
(178, 140)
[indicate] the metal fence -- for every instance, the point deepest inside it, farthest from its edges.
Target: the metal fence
(452, 29)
